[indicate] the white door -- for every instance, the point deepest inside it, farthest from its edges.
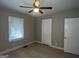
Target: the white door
(46, 31)
(71, 35)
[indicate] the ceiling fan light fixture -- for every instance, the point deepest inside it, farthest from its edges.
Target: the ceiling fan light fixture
(36, 10)
(36, 7)
(37, 3)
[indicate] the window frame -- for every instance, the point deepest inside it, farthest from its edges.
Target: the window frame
(17, 39)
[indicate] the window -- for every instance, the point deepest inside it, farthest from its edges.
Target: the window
(16, 28)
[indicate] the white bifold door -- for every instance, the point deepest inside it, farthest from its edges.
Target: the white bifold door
(71, 35)
(46, 31)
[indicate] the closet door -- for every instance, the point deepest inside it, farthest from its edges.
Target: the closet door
(46, 31)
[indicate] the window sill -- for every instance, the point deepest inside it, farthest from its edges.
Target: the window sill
(14, 40)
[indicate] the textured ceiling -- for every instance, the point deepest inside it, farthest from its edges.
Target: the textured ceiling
(58, 5)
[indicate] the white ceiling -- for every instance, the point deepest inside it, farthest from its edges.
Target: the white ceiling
(58, 5)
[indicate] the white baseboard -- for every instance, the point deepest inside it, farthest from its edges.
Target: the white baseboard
(57, 47)
(51, 46)
(9, 50)
(38, 42)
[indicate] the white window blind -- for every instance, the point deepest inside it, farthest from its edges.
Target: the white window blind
(16, 28)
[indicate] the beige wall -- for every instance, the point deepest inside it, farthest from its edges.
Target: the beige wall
(32, 27)
(58, 25)
(29, 29)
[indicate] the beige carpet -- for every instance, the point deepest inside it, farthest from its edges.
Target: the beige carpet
(37, 50)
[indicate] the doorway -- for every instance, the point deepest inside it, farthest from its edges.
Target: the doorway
(71, 35)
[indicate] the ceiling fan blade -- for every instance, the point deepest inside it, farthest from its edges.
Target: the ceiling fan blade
(40, 11)
(30, 11)
(26, 7)
(45, 7)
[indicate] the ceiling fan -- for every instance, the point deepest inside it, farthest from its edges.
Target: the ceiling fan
(36, 7)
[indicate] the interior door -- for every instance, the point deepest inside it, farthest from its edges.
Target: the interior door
(71, 35)
(46, 31)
